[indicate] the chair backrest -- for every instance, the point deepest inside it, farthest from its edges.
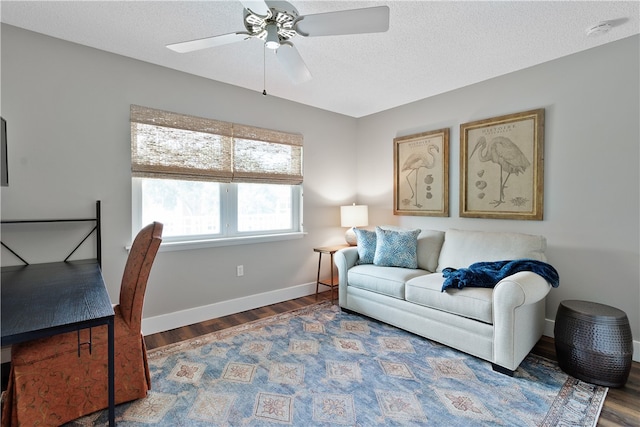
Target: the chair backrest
(136, 273)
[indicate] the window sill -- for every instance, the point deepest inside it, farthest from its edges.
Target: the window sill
(214, 243)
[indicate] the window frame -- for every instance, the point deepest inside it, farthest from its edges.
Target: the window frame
(228, 210)
(229, 177)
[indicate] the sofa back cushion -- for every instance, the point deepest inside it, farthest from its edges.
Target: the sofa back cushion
(461, 248)
(429, 245)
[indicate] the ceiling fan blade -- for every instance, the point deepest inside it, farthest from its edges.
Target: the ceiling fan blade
(293, 63)
(355, 21)
(258, 7)
(207, 42)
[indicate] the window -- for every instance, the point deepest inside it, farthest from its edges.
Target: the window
(213, 181)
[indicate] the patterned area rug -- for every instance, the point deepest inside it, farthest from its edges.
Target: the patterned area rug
(319, 366)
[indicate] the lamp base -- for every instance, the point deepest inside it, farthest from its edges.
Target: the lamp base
(350, 237)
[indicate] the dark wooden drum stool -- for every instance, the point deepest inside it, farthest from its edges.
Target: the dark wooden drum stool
(593, 342)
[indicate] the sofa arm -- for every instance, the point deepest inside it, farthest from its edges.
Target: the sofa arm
(524, 287)
(518, 316)
(344, 259)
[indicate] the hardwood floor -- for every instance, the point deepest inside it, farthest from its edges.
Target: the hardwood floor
(621, 407)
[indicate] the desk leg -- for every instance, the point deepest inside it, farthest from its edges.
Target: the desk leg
(112, 374)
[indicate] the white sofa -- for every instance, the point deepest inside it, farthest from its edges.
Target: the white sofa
(500, 324)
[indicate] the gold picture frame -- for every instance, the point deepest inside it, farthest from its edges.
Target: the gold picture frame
(421, 174)
(501, 167)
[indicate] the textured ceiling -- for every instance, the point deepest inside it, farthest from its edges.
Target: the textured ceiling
(430, 48)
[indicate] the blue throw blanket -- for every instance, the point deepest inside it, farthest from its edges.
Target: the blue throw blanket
(488, 274)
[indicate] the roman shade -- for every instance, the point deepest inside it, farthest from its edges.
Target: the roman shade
(176, 146)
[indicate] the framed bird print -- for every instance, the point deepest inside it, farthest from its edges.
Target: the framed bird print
(501, 167)
(421, 174)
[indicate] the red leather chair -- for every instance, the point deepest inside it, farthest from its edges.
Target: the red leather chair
(50, 384)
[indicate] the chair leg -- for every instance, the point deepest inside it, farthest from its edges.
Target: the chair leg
(7, 402)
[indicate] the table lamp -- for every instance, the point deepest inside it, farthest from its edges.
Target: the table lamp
(353, 216)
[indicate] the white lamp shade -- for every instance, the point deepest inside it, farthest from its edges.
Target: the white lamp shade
(354, 216)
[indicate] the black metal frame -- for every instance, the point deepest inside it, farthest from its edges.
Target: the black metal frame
(96, 228)
(75, 326)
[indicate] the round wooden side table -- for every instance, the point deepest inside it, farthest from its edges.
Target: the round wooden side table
(593, 342)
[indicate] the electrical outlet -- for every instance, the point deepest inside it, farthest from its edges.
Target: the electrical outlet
(240, 270)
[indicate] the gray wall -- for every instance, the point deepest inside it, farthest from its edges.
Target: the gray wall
(67, 108)
(591, 181)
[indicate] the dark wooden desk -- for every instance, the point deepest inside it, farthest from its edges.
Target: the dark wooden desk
(41, 300)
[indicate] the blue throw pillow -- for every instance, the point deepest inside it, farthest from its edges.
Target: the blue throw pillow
(396, 248)
(366, 245)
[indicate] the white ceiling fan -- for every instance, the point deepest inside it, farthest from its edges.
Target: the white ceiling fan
(277, 22)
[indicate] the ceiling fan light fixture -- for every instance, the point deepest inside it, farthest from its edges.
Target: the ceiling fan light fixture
(272, 41)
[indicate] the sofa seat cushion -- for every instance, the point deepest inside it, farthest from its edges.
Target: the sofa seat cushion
(388, 281)
(473, 303)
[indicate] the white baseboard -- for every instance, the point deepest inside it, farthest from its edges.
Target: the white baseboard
(165, 322)
(550, 325)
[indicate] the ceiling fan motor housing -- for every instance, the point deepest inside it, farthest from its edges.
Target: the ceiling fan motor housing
(276, 27)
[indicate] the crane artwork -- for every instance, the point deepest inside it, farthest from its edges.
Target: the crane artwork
(423, 159)
(503, 152)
